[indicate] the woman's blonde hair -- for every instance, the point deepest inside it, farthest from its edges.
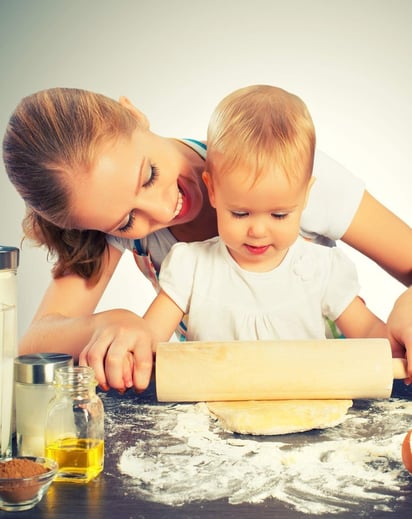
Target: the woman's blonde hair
(52, 136)
(260, 125)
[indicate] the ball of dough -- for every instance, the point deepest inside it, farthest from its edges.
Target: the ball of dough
(279, 416)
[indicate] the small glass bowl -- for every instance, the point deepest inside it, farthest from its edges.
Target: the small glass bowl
(18, 494)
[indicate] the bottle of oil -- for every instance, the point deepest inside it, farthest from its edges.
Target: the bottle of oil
(74, 435)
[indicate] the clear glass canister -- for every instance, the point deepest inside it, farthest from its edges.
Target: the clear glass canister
(75, 425)
(34, 377)
(9, 261)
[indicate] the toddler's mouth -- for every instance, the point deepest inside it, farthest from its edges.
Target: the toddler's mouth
(257, 250)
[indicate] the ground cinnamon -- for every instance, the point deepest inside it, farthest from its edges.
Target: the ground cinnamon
(20, 468)
(20, 488)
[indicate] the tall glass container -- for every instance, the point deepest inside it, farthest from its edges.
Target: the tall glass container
(74, 435)
(9, 261)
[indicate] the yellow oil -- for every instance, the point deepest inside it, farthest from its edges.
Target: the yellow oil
(79, 459)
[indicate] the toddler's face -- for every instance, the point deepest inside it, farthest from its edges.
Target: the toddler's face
(258, 222)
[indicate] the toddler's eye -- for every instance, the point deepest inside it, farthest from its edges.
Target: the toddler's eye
(280, 216)
(154, 173)
(239, 214)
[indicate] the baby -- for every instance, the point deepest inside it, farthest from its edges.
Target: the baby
(259, 279)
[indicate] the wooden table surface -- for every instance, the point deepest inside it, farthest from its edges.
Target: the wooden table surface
(115, 494)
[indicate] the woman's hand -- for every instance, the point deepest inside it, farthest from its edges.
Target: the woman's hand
(120, 351)
(400, 329)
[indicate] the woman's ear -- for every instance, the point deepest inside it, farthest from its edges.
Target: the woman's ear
(207, 179)
(140, 116)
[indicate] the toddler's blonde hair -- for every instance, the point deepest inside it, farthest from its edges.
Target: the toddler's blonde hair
(260, 126)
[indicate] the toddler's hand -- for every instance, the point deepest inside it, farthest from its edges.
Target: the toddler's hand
(120, 351)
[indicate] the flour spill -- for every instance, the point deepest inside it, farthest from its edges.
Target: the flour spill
(178, 454)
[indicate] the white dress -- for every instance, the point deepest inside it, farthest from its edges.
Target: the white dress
(226, 302)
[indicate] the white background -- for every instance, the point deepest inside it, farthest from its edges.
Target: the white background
(350, 60)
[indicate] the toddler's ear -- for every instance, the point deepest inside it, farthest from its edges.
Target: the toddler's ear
(140, 116)
(207, 179)
(310, 184)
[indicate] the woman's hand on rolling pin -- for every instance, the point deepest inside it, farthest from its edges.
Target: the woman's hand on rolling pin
(120, 351)
(400, 329)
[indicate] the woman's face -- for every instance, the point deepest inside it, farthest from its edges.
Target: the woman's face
(136, 186)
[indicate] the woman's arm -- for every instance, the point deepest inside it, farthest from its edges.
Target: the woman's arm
(382, 236)
(65, 322)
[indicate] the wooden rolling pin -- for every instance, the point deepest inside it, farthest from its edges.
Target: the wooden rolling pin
(276, 370)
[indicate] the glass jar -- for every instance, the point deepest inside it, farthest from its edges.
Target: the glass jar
(9, 261)
(33, 377)
(74, 435)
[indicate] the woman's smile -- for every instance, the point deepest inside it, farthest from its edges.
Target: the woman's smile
(179, 205)
(189, 201)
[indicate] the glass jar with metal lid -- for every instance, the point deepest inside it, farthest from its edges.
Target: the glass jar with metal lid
(9, 261)
(34, 376)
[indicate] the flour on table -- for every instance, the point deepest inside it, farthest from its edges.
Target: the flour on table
(180, 455)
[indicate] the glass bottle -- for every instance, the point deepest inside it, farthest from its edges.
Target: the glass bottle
(33, 377)
(9, 261)
(74, 435)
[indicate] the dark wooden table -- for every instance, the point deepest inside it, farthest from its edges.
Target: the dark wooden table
(131, 419)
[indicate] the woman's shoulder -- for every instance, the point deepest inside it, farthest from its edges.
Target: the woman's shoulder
(333, 200)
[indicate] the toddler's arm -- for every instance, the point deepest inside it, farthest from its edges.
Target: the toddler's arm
(358, 321)
(163, 316)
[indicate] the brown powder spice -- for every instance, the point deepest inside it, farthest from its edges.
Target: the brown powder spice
(20, 468)
(21, 489)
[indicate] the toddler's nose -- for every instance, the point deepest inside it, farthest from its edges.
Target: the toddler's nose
(257, 229)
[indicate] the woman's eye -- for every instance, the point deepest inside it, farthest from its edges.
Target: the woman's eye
(129, 223)
(154, 173)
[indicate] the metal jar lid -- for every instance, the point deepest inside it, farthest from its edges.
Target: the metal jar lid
(9, 257)
(38, 368)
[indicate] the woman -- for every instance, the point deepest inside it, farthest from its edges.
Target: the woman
(96, 180)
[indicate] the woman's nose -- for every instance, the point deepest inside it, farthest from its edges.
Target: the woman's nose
(158, 209)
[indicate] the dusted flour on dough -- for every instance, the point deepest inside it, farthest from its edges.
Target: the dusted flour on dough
(270, 417)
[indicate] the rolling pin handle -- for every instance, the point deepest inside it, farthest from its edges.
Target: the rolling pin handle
(399, 368)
